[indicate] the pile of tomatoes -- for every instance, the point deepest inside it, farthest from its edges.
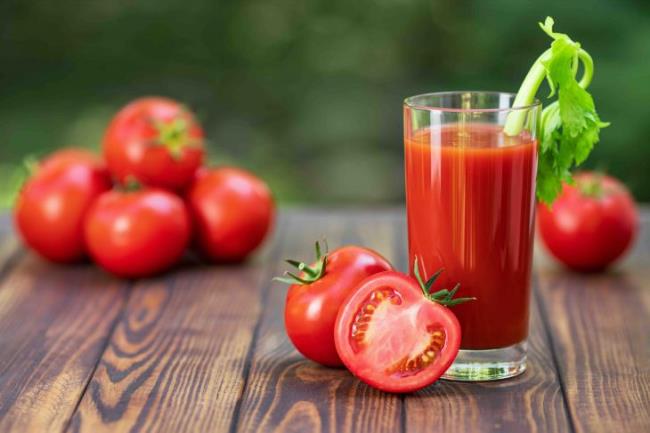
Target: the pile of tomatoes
(137, 210)
(351, 308)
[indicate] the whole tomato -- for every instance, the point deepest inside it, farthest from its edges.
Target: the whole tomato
(156, 141)
(591, 224)
(137, 233)
(315, 296)
(232, 210)
(52, 203)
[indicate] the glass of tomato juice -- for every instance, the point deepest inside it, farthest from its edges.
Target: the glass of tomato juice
(470, 199)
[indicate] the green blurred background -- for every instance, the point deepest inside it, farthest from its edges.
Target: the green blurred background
(305, 93)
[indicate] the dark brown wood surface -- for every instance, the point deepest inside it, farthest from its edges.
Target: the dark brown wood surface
(203, 348)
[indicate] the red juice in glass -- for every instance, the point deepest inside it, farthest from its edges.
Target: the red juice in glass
(470, 198)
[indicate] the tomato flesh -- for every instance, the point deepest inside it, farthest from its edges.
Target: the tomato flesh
(393, 338)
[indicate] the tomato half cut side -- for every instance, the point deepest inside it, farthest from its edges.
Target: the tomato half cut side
(393, 337)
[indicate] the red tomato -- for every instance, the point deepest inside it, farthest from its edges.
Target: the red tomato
(232, 210)
(315, 296)
(52, 204)
(591, 224)
(393, 336)
(156, 141)
(137, 233)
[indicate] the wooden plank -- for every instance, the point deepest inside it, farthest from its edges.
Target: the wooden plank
(54, 324)
(599, 326)
(176, 360)
(287, 393)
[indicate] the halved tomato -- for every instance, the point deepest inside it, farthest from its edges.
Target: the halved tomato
(396, 336)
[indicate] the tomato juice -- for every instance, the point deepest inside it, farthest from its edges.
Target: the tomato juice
(470, 196)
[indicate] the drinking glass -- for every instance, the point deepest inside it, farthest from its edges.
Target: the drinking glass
(470, 199)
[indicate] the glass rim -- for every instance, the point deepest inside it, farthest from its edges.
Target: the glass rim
(409, 103)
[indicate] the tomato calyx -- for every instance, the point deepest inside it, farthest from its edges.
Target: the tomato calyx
(174, 135)
(592, 187)
(308, 274)
(130, 184)
(443, 297)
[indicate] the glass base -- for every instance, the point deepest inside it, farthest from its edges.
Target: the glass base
(491, 364)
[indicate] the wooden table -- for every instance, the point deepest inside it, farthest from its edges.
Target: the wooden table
(203, 349)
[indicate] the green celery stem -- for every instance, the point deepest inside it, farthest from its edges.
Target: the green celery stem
(526, 94)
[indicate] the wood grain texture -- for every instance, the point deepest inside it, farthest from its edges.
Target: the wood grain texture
(54, 323)
(599, 326)
(287, 393)
(203, 349)
(176, 360)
